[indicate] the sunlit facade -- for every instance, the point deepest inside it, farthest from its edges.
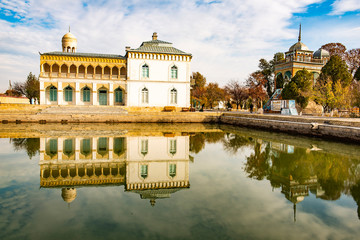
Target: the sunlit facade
(300, 57)
(151, 166)
(146, 76)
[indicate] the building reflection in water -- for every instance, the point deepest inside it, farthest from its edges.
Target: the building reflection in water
(293, 170)
(153, 166)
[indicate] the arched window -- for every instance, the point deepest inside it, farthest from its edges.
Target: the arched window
(52, 148)
(123, 72)
(86, 94)
(144, 95)
(172, 147)
(68, 147)
(172, 170)
(46, 68)
(64, 68)
(118, 95)
(102, 146)
(119, 146)
(173, 96)
(85, 146)
(73, 69)
(145, 71)
(174, 72)
(53, 94)
(144, 171)
(144, 147)
(68, 94)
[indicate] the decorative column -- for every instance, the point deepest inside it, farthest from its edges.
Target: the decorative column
(77, 93)
(77, 148)
(60, 93)
(111, 94)
(60, 148)
(94, 95)
(42, 93)
(94, 148)
(42, 148)
(111, 147)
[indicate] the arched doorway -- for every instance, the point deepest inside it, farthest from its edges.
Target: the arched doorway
(103, 99)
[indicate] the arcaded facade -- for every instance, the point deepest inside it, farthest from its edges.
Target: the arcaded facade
(299, 57)
(155, 74)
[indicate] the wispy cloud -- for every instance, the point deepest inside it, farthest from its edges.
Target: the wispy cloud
(342, 6)
(226, 38)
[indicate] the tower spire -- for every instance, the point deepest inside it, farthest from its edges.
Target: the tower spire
(69, 28)
(300, 33)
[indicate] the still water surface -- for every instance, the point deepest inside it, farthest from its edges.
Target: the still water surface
(219, 183)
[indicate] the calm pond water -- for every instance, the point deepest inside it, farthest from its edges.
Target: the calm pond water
(218, 182)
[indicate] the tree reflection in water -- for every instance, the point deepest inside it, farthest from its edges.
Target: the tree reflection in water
(30, 145)
(294, 169)
(297, 171)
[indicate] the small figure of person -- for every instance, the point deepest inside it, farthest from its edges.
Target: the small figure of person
(202, 107)
(251, 107)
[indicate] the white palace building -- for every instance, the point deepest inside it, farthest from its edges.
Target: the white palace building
(154, 75)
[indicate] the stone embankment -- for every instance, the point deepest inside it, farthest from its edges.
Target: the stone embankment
(336, 128)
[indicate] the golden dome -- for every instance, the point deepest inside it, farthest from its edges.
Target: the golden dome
(68, 35)
(68, 194)
(69, 42)
(298, 46)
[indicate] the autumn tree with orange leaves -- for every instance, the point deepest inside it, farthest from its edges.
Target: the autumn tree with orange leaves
(256, 84)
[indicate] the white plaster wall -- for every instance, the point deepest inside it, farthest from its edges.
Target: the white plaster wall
(159, 82)
(157, 172)
(158, 159)
(159, 93)
(158, 148)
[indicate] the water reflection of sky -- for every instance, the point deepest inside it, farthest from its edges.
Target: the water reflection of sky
(221, 203)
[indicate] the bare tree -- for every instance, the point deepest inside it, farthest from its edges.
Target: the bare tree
(237, 92)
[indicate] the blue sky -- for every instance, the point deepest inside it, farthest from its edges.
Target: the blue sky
(226, 38)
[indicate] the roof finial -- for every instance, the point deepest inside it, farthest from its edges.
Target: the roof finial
(154, 36)
(300, 33)
(69, 28)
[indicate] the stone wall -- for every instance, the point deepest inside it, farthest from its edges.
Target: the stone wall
(336, 128)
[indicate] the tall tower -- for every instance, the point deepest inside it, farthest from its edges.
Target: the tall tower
(69, 42)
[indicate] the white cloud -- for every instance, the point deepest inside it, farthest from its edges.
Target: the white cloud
(226, 38)
(342, 6)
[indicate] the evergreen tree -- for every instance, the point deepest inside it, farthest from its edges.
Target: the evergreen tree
(299, 88)
(357, 75)
(337, 70)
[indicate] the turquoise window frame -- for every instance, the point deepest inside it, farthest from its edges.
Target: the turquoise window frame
(86, 94)
(174, 72)
(118, 95)
(145, 71)
(68, 94)
(53, 94)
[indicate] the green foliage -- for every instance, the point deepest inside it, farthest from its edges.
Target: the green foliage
(332, 90)
(213, 94)
(30, 145)
(337, 70)
(280, 81)
(299, 88)
(30, 88)
(357, 74)
(279, 56)
(267, 69)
